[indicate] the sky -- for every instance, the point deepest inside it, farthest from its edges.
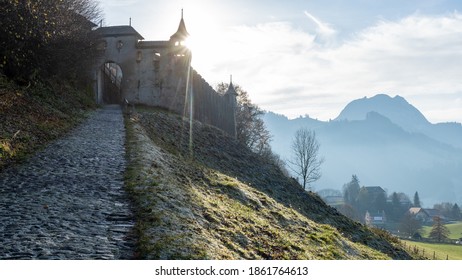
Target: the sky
(313, 57)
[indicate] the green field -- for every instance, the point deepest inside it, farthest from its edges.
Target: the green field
(440, 251)
(455, 230)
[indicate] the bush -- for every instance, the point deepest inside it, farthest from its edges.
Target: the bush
(40, 39)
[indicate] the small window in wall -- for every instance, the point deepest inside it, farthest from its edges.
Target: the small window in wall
(139, 56)
(156, 61)
(119, 44)
(156, 65)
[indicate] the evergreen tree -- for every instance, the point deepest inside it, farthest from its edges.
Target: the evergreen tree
(364, 201)
(380, 202)
(395, 210)
(351, 191)
(439, 231)
(445, 209)
(455, 212)
(417, 200)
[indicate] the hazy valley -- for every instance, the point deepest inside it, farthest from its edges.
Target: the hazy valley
(386, 142)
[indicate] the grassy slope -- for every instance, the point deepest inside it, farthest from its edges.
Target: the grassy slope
(32, 116)
(229, 204)
(452, 252)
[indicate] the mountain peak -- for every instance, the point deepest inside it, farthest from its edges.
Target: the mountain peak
(397, 109)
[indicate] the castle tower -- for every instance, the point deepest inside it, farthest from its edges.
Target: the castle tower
(181, 34)
(231, 96)
(231, 92)
(159, 73)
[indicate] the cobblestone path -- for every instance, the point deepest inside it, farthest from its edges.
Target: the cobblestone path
(68, 202)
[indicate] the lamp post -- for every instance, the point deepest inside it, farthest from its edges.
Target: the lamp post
(190, 97)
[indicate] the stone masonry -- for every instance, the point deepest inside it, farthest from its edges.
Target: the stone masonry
(67, 201)
(155, 73)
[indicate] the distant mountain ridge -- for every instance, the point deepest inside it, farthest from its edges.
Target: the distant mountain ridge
(405, 115)
(385, 141)
(397, 109)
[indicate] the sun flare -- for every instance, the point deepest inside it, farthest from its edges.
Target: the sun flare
(205, 32)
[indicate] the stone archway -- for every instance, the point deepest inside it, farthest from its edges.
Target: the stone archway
(110, 83)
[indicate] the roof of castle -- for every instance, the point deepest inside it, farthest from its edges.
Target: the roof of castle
(118, 31)
(181, 33)
(153, 44)
(231, 89)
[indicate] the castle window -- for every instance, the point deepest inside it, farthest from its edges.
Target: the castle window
(139, 56)
(156, 61)
(120, 44)
(156, 65)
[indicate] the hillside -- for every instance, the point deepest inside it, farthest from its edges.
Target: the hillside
(32, 116)
(227, 203)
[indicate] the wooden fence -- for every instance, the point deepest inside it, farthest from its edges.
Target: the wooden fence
(424, 253)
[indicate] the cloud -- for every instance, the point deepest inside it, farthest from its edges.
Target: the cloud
(323, 29)
(417, 57)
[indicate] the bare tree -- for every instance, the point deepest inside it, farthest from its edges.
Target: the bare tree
(250, 128)
(410, 225)
(305, 161)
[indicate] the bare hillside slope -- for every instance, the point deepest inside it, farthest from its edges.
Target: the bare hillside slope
(227, 203)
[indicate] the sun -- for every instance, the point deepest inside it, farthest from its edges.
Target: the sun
(207, 38)
(203, 24)
(208, 24)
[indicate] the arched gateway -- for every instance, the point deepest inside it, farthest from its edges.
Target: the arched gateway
(155, 73)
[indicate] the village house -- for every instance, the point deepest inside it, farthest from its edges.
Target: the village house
(376, 219)
(426, 216)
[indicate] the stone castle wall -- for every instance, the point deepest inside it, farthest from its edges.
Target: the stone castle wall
(155, 74)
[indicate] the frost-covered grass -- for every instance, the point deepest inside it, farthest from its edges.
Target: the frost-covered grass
(32, 116)
(225, 203)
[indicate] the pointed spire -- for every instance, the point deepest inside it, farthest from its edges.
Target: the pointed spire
(181, 34)
(231, 89)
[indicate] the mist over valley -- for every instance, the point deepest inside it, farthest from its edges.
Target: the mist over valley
(386, 142)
